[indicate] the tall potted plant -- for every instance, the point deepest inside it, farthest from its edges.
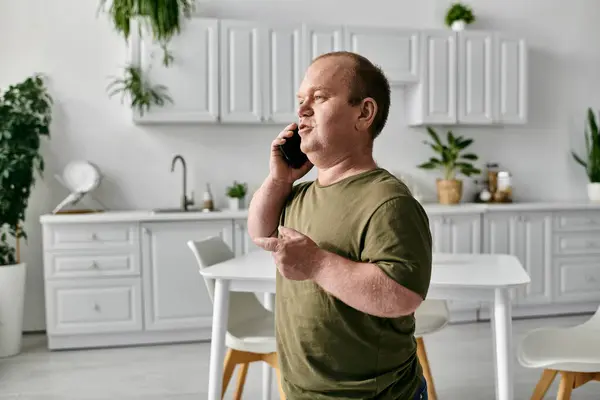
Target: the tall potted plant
(451, 162)
(25, 116)
(591, 161)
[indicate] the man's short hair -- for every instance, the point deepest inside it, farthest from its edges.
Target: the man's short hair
(367, 80)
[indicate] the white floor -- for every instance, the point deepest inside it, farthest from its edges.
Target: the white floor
(460, 356)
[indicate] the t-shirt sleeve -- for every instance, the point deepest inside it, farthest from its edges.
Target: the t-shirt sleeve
(398, 240)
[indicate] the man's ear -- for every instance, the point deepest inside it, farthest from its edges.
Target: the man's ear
(368, 110)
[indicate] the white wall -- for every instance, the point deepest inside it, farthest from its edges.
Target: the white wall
(78, 50)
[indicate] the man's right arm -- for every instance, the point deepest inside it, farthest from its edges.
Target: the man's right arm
(266, 206)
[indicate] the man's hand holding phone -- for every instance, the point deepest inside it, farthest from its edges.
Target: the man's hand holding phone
(280, 168)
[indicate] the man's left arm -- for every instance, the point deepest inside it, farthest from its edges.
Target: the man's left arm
(393, 276)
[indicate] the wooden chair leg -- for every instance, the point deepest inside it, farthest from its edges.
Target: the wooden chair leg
(422, 355)
(566, 385)
(230, 361)
(241, 380)
(543, 384)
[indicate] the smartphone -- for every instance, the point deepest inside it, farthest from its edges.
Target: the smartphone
(291, 151)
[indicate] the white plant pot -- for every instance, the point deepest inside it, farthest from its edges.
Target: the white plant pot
(235, 203)
(12, 299)
(458, 26)
(593, 189)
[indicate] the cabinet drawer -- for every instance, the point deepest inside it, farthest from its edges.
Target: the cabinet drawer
(91, 236)
(577, 221)
(578, 279)
(94, 306)
(81, 264)
(577, 243)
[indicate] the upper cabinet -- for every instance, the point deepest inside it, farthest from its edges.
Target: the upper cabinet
(192, 78)
(396, 51)
(469, 77)
(236, 71)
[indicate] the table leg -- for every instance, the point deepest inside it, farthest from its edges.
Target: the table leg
(217, 347)
(502, 328)
(267, 382)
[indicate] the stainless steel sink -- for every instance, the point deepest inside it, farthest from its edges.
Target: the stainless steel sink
(175, 210)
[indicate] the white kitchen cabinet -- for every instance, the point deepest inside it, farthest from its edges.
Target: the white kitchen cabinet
(242, 70)
(318, 39)
(458, 233)
(475, 95)
(242, 240)
(511, 65)
(469, 77)
(433, 99)
(528, 236)
(283, 72)
(175, 293)
(395, 50)
(192, 78)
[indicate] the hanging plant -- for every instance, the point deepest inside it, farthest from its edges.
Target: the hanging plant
(163, 20)
(142, 94)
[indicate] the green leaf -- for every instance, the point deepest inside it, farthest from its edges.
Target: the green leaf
(470, 156)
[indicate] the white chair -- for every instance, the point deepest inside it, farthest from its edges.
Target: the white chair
(430, 317)
(250, 332)
(572, 351)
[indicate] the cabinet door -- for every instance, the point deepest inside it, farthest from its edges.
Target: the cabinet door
(283, 72)
(528, 236)
(243, 242)
(433, 100)
(320, 39)
(460, 233)
(175, 295)
(191, 79)
(241, 45)
(394, 50)
(475, 77)
(510, 96)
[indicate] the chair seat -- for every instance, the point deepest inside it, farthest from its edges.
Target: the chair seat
(575, 349)
(256, 335)
(431, 316)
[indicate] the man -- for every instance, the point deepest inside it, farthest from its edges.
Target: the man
(353, 248)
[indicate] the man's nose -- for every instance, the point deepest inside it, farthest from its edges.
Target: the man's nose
(304, 110)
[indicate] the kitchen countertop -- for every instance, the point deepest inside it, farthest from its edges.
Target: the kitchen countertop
(431, 208)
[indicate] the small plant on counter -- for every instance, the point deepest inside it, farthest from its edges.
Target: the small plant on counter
(591, 161)
(458, 16)
(452, 161)
(237, 190)
(236, 193)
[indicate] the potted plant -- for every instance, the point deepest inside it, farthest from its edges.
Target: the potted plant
(458, 16)
(592, 162)
(451, 162)
(25, 116)
(236, 194)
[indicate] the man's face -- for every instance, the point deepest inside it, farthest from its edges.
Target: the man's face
(327, 121)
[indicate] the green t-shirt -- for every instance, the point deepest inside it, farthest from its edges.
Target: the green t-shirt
(328, 349)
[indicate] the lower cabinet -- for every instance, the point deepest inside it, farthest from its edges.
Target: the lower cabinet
(110, 283)
(175, 292)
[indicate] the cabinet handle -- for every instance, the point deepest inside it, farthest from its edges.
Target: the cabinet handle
(94, 265)
(146, 231)
(94, 236)
(96, 308)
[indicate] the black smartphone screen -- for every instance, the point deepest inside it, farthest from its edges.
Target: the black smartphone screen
(291, 151)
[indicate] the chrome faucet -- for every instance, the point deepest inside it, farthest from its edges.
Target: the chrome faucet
(185, 202)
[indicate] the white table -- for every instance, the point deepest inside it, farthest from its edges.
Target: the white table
(473, 277)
